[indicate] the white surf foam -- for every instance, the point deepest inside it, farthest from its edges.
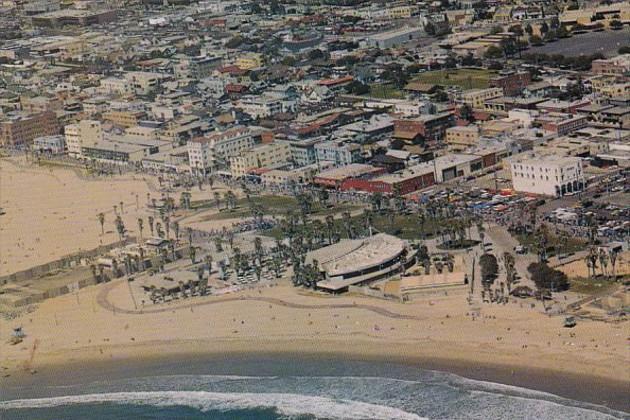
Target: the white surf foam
(285, 404)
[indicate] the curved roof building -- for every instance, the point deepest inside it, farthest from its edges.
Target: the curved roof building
(359, 261)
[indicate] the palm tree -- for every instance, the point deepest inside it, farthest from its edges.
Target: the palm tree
(115, 267)
(192, 252)
(141, 258)
(422, 218)
(376, 200)
(217, 199)
(330, 228)
(140, 226)
(151, 220)
(603, 262)
(322, 196)
(591, 261)
(158, 230)
(120, 227)
(347, 224)
(185, 200)
(612, 256)
(237, 258)
(167, 226)
(276, 265)
(258, 248)
(122, 209)
(101, 220)
(208, 258)
(217, 243)
(230, 199)
(369, 220)
(176, 230)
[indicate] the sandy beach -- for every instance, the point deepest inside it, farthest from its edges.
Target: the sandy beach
(507, 344)
(97, 332)
(53, 213)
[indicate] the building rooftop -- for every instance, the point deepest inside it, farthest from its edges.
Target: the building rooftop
(353, 255)
(347, 171)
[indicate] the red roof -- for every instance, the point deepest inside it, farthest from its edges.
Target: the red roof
(232, 70)
(333, 82)
(316, 125)
(235, 88)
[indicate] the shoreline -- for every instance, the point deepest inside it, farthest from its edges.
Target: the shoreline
(191, 356)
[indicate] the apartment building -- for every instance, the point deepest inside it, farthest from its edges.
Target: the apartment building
(114, 86)
(249, 61)
(562, 124)
(50, 144)
(611, 86)
(124, 118)
(616, 66)
(205, 153)
(512, 83)
(460, 138)
(143, 82)
(338, 152)
(547, 174)
(85, 132)
(430, 127)
(272, 155)
(261, 106)
(476, 98)
(20, 129)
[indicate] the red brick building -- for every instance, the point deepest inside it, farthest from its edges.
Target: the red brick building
(410, 180)
(512, 83)
(430, 127)
(562, 124)
(21, 129)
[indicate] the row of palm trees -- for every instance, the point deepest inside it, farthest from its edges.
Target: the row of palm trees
(605, 258)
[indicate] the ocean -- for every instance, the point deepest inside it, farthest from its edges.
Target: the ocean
(289, 389)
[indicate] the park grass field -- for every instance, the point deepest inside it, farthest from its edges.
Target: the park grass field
(572, 245)
(590, 287)
(385, 91)
(403, 225)
(271, 206)
(464, 78)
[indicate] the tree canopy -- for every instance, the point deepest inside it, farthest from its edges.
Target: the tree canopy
(548, 278)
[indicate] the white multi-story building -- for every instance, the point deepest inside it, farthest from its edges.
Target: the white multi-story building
(272, 155)
(114, 86)
(205, 153)
(86, 132)
(50, 144)
(338, 152)
(547, 175)
(261, 106)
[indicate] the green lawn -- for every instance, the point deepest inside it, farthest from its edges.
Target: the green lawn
(573, 244)
(590, 287)
(464, 78)
(385, 91)
(403, 226)
(271, 204)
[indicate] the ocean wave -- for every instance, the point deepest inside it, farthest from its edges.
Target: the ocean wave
(289, 405)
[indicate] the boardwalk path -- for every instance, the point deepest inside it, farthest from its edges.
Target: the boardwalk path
(103, 301)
